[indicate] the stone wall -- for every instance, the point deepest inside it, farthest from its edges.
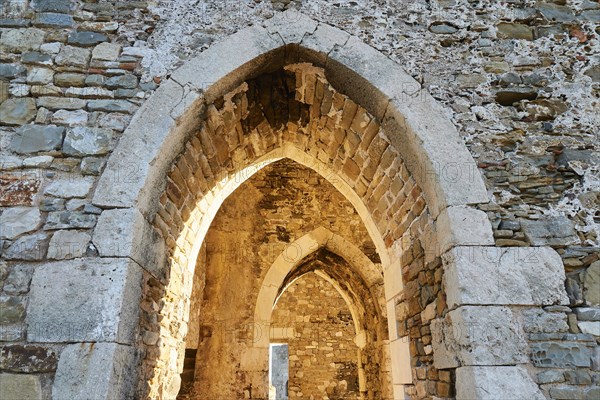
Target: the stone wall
(518, 79)
(316, 323)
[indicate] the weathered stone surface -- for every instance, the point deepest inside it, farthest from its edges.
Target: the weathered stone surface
(550, 376)
(121, 106)
(126, 233)
(591, 284)
(70, 118)
(70, 187)
(69, 79)
(22, 40)
(40, 76)
(65, 245)
(61, 6)
(587, 314)
(92, 165)
(12, 332)
(26, 358)
(53, 20)
(114, 374)
(555, 12)
(37, 58)
(35, 138)
(28, 247)
(127, 81)
(106, 51)
(17, 111)
(20, 387)
(18, 220)
(18, 280)
(561, 354)
(494, 275)
(18, 189)
(89, 92)
(10, 71)
(590, 327)
(57, 103)
(51, 48)
(553, 231)
(82, 141)
(69, 220)
(536, 320)
(76, 56)
(443, 28)
(478, 336)
(12, 309)
(514, 31)
(509, 96)
(38, 161)
(86, 39)
(106, 291)
(507, 382)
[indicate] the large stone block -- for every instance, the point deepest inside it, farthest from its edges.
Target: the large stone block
(463, 226)
(491, 383)
(478, 336)
(126, 233)
(509, 275)
(92, 300)
(95, 371)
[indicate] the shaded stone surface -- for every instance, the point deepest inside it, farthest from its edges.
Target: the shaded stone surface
(553, 231)
(27, 358)
(17, 111)
(35, 138)
(86, 39)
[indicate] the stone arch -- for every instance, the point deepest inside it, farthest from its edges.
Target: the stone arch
(275, 281)
(176, 162)
(362, 292)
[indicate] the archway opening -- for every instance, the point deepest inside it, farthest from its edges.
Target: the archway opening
(314, 321)
(264, 220)
(292, 113)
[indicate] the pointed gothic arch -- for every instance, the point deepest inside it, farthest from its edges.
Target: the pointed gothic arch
(162, 206)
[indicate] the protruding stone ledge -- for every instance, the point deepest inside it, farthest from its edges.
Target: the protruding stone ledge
(84, 300)
(481, 275)
(490, 383)
(126, 233)
(110, 372)
(478, 336)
